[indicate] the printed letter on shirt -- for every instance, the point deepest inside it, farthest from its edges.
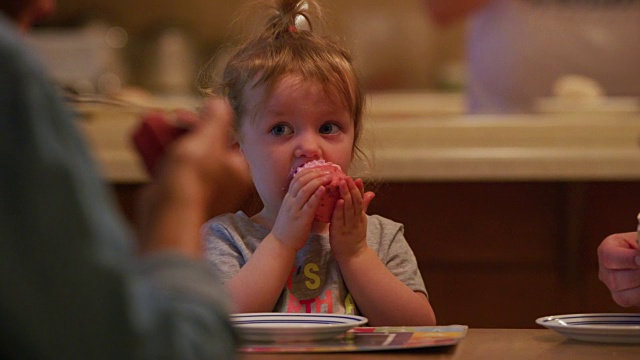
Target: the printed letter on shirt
(313, 281)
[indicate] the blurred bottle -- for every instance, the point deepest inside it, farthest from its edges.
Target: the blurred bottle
(170, 59)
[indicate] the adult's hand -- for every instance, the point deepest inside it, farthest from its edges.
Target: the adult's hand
(202, 175)
(619, 268)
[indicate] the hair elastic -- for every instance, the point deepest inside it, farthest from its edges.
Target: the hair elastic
(302, 23)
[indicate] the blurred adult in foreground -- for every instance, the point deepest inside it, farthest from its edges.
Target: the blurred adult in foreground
(619, 260)
(73, 283)
(518, 50)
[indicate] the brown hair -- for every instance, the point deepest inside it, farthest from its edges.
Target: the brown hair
(288, 46)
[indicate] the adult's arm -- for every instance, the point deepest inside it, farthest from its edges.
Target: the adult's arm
(71, 284)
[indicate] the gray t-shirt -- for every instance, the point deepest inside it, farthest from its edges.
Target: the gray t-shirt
(315, 284)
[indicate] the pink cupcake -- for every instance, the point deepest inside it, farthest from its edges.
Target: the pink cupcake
(332, 193)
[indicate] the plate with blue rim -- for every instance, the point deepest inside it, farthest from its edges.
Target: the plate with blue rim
(598, 327)
(289, 327)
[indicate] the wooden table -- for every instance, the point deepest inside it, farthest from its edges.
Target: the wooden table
(490, 344)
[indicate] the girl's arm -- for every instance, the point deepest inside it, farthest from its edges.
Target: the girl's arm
(258, 285)
(381, 297)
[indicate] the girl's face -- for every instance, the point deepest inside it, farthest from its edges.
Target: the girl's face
(298, 123)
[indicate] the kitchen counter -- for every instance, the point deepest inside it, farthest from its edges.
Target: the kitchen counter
(407, 139)
(496, 148)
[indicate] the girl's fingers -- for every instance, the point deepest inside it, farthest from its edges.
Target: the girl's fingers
(307, 199)
(350, 192)
(356, 195)
(368, 196)
(309, 182)
(338, 213)
(314, 200)
(360, 184)
(345, 194)
(308, 175)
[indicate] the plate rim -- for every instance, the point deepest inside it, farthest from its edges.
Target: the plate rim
(269, 331)
(626, 334)
(550, 321)
(353, 320)
(622, 334)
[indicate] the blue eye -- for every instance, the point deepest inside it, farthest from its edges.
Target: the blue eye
(281, 129)
(329, 128)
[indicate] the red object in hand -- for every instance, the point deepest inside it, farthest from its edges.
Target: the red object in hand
(152, 138)
(332, 190)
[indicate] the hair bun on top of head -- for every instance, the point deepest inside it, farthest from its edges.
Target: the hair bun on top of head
(302, 23)
(292, 16)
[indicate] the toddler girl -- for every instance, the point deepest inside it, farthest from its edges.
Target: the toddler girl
(297, 99)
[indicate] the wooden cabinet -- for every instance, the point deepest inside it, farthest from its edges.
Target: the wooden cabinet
(501, 254)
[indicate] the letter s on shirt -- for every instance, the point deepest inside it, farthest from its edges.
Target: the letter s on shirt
(313, 280)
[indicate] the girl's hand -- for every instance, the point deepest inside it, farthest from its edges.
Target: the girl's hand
(295, 217)
(348, 229)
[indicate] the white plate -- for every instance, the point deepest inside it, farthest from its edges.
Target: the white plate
(611, 328)
(284, 327)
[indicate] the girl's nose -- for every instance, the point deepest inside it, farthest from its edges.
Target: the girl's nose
(308, 147)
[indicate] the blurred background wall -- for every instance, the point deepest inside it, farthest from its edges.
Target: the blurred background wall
(395, 43)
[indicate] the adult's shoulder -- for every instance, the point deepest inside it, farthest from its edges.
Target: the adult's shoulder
(15, 56)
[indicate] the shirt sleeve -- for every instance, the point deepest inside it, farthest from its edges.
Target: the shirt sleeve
(395, 252)
(222, 251)
(180, 306)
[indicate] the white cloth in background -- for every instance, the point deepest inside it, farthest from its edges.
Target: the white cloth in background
(517, 49)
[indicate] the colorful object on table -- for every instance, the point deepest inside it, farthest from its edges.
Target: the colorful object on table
(293, 327)
(606, 328)
(332, 190)
(153, 136)
(362, 339)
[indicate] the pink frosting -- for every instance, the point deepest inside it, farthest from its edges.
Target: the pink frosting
(332, 194)
(318, 163)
